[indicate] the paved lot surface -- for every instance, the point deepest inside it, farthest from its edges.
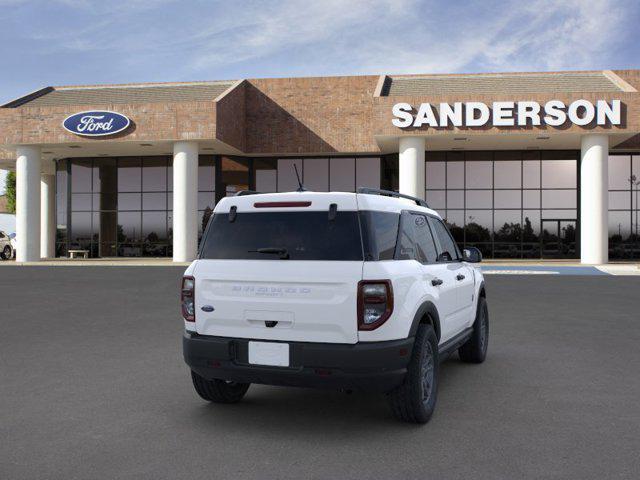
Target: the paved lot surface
(92, 386)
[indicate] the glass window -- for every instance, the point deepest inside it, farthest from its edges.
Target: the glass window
(507, 174)
(266, 174)
(479, 199)
(80, 202)
(426, 244)
(368, 172)
(129, 174)
(455, 223)
(435, 173)
(316, 174)
(455, 198)
(559, 199)
(129, 201)
(531, 174)
(206, 199)
(620, 200)
(287, 181)
(531, 198)
(507, 225)
(619, 172)
(507, 199)
(342, 174)
(455, 174)
(379, 232)
(81, 175)
(479, 226)
(409, 249)
(129, 227)
(206, 173)
(154, 201)
(284, 235)
(154, 174)
(437, 199)
(479, 174)
(559, 174)
(154, 227)
(447, 247)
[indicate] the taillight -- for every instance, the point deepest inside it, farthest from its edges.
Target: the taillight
(187, 298)
(375, 303)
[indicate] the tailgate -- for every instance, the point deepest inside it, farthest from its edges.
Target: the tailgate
(288, 300)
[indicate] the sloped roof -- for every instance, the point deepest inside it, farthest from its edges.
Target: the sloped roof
(565, 82)
(119, 94)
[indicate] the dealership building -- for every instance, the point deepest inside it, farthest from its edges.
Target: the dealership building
(521, 165)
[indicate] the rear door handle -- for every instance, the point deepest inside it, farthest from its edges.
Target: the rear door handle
(436, 281)
(460, 277)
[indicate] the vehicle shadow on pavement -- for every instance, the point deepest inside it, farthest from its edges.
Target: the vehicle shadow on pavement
(285, 409)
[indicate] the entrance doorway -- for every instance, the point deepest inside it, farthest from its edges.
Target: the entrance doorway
(558, 238)
(232, 176)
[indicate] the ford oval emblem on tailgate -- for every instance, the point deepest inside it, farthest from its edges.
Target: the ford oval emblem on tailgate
(207, 308)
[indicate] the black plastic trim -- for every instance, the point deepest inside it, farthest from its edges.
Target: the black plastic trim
(426, 308)
(365, 366)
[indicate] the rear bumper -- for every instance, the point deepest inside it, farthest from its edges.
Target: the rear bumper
(375, 366)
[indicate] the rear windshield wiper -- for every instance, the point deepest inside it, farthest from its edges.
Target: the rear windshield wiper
(284, 254)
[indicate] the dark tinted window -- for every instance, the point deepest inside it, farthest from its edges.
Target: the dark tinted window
(444, 238)
(379, 234)
(415, 239)
(424, 238)
(304, 236)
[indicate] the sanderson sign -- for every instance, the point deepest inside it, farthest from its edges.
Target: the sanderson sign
(507, 114)
(96, 123)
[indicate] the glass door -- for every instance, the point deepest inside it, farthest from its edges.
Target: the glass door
(558, 238)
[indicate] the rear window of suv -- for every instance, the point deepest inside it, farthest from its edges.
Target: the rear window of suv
(283, 235)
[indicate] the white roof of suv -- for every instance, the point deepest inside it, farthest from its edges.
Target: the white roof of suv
(314, 201)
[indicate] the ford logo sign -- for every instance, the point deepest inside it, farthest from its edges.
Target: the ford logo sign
(96, 123)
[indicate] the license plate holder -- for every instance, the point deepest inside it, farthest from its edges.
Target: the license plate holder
(272, 354)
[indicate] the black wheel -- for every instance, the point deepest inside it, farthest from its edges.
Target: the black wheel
(6, 253)
(475, 349)
(415, 400)
(219, 391)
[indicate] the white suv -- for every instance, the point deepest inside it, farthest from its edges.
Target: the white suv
(353, 291)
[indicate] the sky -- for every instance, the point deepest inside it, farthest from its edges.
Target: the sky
(71, 42)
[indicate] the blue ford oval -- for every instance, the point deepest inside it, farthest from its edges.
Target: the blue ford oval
(96, 123)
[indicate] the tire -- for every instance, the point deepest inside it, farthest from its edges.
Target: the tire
(415, 400)
(7, 253)
(219, 391)
(475, 349)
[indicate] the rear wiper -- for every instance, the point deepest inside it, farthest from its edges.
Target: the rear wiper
(284, 254)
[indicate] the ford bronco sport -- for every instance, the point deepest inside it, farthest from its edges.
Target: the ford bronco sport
(353, 291)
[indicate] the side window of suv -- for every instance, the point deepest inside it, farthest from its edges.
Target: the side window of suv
(448, 249)
(416, 242)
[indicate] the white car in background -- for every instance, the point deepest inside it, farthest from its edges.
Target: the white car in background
(7, 245)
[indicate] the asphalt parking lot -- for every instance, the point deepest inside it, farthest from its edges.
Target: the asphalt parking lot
(93, 386)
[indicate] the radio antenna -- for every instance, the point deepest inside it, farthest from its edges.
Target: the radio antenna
(301, 187)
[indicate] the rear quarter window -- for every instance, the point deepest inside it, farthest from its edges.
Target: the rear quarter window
(379, 234)
(303, 235)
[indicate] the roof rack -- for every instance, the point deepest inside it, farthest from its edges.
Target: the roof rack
(243, 193)
(391, 193)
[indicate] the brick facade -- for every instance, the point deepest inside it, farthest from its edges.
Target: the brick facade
(321, 115)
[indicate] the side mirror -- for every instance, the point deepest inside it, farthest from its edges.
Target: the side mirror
(472, 255)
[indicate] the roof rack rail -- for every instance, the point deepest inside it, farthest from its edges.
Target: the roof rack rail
(391, 193)
(243, 193)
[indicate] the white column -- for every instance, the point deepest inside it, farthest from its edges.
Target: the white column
(411, 165)
(594, 199)
(48, 211)
(28, 204)
(185, 201)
